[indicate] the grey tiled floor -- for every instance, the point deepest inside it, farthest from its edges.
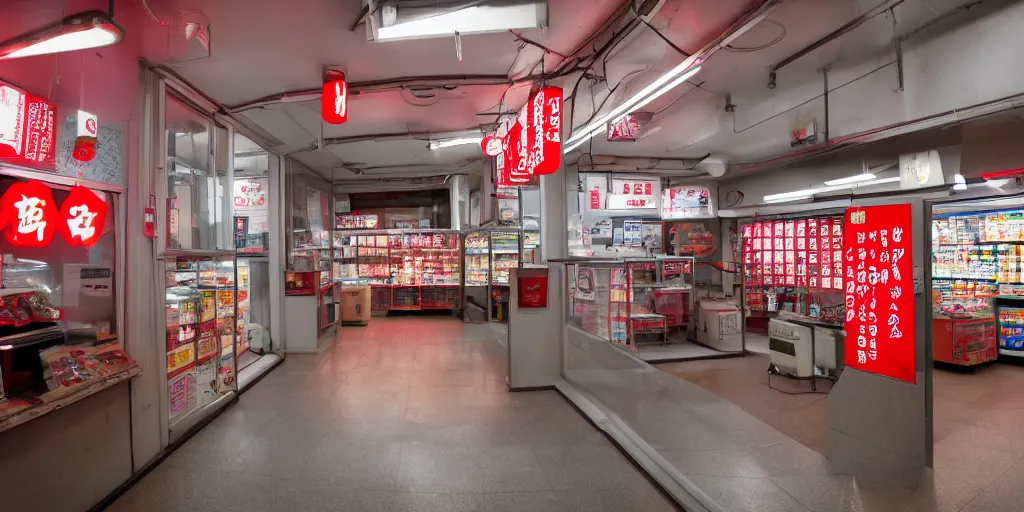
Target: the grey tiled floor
(408, 414)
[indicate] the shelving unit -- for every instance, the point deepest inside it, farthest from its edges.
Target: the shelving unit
(202, 325)
(978, 276)
(795, 265)
(406, 269)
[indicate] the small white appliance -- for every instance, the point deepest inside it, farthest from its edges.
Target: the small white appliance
(718, 326)
(790, 347)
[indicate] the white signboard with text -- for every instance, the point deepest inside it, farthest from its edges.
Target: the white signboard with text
(634, 194)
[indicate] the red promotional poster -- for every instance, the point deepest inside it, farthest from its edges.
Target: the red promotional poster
(879, 287)
(533, 291)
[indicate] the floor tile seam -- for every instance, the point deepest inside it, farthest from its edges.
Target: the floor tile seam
(807, 507)
(992, 483)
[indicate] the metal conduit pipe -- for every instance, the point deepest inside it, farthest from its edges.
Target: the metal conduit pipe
(852, 24)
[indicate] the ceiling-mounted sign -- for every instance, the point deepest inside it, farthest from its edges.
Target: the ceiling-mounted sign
(544, 152)
(533, 144)
(334, 99)
(628, 127)
(491, 145)
(919, 170)
(633, 193)
(689, 202)
(28, 129)
(879, 288)
(88, 124)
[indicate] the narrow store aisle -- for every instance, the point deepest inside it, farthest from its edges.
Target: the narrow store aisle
(407, 414)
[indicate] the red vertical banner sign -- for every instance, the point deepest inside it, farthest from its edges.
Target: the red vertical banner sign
(879, 288)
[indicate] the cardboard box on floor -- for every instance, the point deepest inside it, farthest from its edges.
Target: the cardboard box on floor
(355, 304)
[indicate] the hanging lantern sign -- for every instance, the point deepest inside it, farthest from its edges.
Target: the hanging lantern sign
(334, 98)
(82, 217)
(491, 145)
(29, 213)
(544, 151)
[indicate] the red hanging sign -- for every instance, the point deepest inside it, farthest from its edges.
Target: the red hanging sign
(29, 213)
(83, 215)
(544, 150)
(491, 145)
(28, 129)
(879, 287)
(533, 146)
(334, 100)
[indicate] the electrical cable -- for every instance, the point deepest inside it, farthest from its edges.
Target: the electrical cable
(738, 49)
(681, 51)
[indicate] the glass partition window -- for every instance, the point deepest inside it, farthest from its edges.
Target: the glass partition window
(196, 206)
(310, 247)
(251, 234)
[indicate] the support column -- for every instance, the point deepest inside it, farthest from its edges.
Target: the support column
(554, 216)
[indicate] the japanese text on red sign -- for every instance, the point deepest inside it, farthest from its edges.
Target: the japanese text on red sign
(878, 287)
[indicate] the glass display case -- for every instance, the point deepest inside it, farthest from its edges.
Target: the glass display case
(203, 323)
(531, 248)
(59, 326)
(505, 252)
(478, 258)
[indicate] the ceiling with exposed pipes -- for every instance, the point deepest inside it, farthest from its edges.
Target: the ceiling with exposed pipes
(267, 57)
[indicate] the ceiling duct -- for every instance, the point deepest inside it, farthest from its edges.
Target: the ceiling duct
(419, 19)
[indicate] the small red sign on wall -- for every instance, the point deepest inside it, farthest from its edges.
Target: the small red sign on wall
(879, 288)
(533, 291)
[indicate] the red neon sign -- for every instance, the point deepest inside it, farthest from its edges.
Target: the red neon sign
(533, 146)
(544, 151)
(29, 213)
(28, 130)
(83, 215)
(334, 100)
(879, 287)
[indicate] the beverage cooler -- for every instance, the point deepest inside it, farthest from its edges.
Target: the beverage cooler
(406, 269)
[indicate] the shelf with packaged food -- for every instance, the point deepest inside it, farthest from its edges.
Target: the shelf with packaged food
(202, 329)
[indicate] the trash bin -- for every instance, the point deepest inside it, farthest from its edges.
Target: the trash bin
(355, 304)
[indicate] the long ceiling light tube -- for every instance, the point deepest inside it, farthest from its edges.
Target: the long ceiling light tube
(810, 192)
(631, 104)
(857, 178)
(92, 29)
(636, 99)
(672, 85)
(461, 141)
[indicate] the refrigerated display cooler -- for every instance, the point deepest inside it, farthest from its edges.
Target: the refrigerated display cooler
(406, 269)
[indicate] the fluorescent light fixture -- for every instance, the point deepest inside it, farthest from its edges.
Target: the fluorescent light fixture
(879, 181)
(810, 192)
(787, 199)
(433, 22)
(851, 179)
(462, 141)
(959, 183)
(631, 104)
(672, 85)
(92, 29)
(597, 131)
